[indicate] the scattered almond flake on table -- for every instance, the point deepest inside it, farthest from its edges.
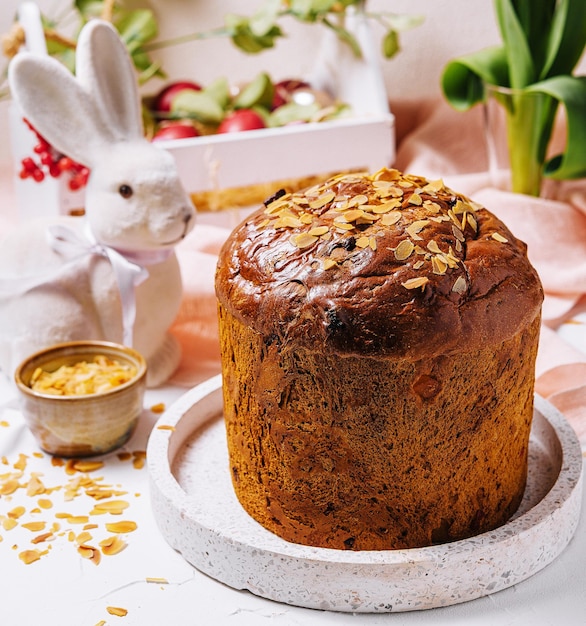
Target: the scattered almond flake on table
(32, 478)
(158, 408)
(116, 610)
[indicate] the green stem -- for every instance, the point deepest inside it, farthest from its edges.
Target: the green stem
(530, 119)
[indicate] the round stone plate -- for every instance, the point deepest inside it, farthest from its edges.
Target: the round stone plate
(199, 515)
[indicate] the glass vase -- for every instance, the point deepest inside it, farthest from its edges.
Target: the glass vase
(518, 126)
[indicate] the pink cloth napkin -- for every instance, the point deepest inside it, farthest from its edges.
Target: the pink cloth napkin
(438, 142)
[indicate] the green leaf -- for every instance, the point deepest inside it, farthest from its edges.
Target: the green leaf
(566, 39)
(390, 44)
(293, 112)
(521, 67)
(570, 92)
(219, 90)
(136, 28)
(242, 36)
(345, 36)
(258, 92)
(265, 18)
(463, 79)
(198, 105)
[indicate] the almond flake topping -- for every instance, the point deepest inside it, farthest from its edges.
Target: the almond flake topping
(322, 200)
(460, 285)
(499, 237)
(438, 265)
(434, 186)
(303, 240)
(388, 219)
(404, 250)
(414, 283)
(363, 242)
(433, 247)
(358, 200)
(318, 231)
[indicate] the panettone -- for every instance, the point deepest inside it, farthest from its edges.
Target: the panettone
(379, 335)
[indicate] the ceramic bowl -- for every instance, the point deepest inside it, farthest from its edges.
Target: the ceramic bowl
(81, 425)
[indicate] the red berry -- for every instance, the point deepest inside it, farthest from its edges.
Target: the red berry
(74, 184)
(24, 174)
(46, 158)
(165, 97)
(38, 175)
(54, 170)
(65, 164)
(28, 164)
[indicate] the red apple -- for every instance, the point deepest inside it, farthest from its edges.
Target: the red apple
(284, 90)
(241, 119)
(164, 98)
(176, 130)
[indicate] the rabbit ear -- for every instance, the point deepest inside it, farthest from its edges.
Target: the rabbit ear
(56, 105)
(105, 70)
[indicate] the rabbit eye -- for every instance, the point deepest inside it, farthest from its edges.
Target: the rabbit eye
(125, 191)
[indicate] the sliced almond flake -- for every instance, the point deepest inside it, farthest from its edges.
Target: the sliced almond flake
(326, 236)
(414, 283)
(264, 223)
(363, 242)
(438, 266)
(114, 507)
(158, 408)
(287, 221)
(459, 247)
(387, 174)
(499, 237)
(379, 209)
(454, 218)
(16, 512)
(415, 228)
(432, 207)
(306, 218)
(30, 556)
(299, 199)
(322, 200)
(9, 487)
(352, 215)
(318, 231)
(472, 221)
(45, 503)
(83, 537)
(367, 219)
(389, 219)
(328, 264)
(460, 285)
(21, 463)
(372, 243)
(358, 200)
(433, 247)
(460, 207)
(420, 250)
(275, 207)
(78, 519)
(102, 622)
(341, 226)
(343, 205)
(419, 264)
(117, 610)
(464, 221)
(35, 487)
(87, 466)
(166, 427)
(405, 184)
(404, 250)
(112, 545)
(8, 523)
(474, 205)
(303, 240)
(415, 199)
(125, 526)
(433, 186)
(458, 233)
(450, 260)
(42, 538)
(158, 581)
(34, 527)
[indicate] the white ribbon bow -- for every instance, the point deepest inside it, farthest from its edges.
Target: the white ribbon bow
(72, 243)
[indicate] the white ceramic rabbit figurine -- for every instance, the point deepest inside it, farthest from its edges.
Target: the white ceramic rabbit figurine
(136, 211)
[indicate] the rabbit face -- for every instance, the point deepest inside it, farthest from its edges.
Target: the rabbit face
(135, 200)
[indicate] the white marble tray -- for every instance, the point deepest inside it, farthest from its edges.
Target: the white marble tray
(199, 515)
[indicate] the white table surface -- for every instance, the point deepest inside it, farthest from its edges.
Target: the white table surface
(62, 588)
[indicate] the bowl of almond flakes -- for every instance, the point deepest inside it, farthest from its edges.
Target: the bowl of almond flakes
(82, 398)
